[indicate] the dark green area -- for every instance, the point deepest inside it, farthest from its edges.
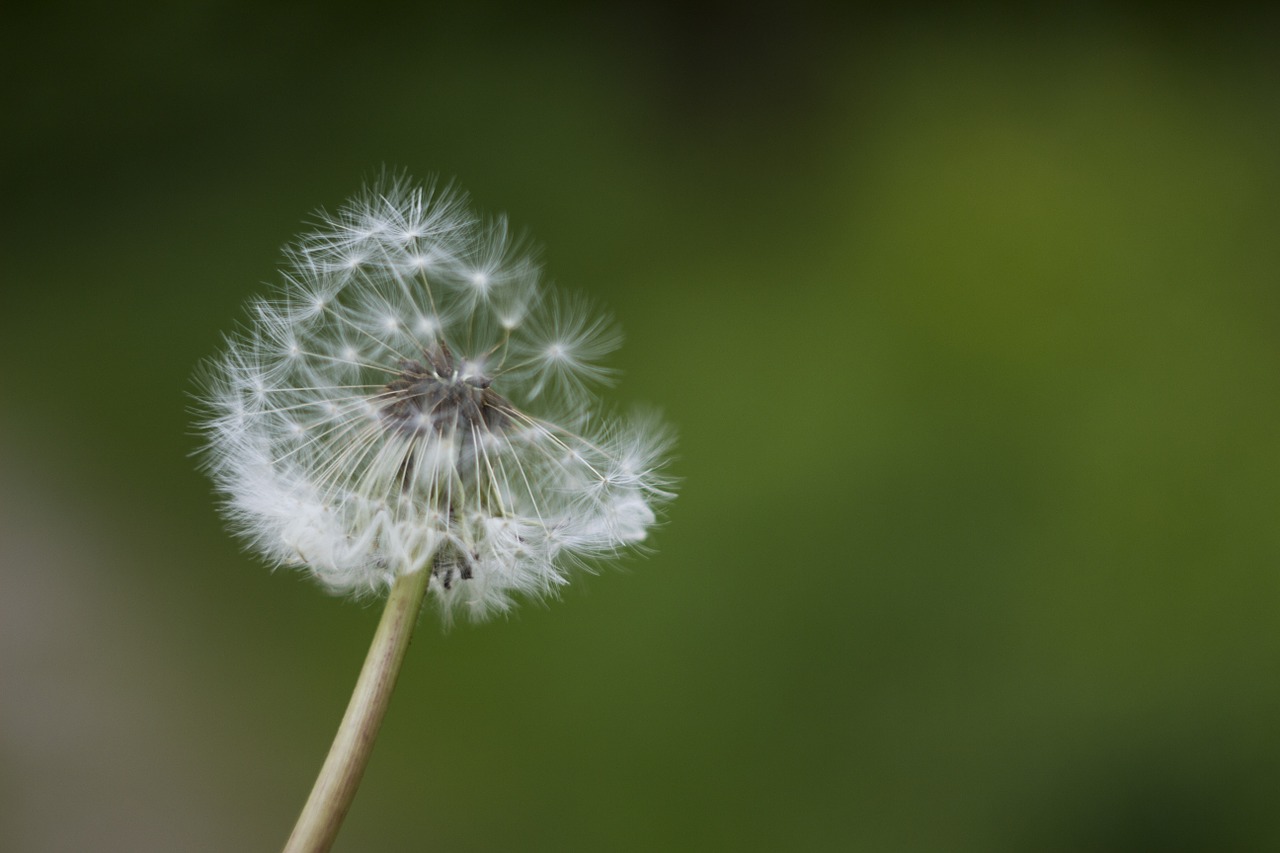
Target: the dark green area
(970, 327)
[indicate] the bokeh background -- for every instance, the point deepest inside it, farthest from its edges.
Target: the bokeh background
(969, 322)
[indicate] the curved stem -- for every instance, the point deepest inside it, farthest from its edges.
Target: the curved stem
(336, 785)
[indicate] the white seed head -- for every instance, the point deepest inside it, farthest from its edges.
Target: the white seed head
(411, 399)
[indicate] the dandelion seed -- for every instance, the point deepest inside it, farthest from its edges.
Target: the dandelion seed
(413, 400)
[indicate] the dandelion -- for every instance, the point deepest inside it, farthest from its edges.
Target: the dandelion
(413, 413)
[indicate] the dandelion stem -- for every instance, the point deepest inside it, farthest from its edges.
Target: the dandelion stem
(336, 785)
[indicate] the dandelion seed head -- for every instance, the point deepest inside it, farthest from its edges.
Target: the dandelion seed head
(414, 399)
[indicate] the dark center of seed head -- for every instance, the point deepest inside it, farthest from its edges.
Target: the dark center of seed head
(429, 396)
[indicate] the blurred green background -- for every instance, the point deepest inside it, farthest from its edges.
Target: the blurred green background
(968, 323)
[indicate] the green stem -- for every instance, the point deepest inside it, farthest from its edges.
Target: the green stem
(336, 785)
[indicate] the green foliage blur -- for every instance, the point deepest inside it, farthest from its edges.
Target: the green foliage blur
(970, 326)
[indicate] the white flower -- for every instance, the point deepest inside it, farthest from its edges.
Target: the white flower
(413, 400)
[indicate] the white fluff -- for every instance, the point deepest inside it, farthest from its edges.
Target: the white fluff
(411, 399)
